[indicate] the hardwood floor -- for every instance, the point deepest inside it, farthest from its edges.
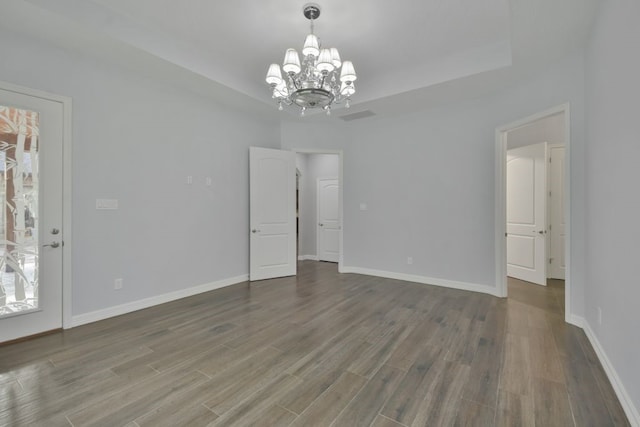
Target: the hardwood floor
(318, 349)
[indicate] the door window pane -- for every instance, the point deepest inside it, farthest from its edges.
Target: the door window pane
(18, 210)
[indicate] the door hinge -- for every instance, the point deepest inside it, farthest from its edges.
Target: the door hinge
(549, 159)
(549, 193)
(549, 227)
(550, 260)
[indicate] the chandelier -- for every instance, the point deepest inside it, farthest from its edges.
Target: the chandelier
(320, 81)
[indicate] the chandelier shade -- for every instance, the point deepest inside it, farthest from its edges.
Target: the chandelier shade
(348, 73)
(311, 46)
(335, 57)
(291, 64)
(325, 65)
(274, 76)
(319, 80)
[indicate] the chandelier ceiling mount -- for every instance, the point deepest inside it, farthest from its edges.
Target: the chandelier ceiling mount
(311, 11)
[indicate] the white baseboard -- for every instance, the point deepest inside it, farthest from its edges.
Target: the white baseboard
(307, 257)
(105, 313)
(625, 400)
(424, 280)
(575, 320)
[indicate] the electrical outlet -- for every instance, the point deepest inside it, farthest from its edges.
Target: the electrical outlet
(409, 260)
(599, 316)
(117, 284)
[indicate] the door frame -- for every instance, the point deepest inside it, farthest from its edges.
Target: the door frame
(501, 200)
(67, 247)
(318, 232)
(339, 153)
(550, 147)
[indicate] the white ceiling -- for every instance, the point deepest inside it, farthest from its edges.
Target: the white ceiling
(402, 50)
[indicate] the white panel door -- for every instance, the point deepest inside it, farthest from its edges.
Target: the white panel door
(31, 147)
(526, 213)
(556, 213)
(328, 220)
(272, 235)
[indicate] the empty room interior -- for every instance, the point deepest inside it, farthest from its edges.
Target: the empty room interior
(283, 213)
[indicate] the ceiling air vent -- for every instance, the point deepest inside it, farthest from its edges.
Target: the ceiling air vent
(358, 115)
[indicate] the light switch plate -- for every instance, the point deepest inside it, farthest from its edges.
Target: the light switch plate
(107, 204)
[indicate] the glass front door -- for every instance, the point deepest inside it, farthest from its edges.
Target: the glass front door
(32, 126)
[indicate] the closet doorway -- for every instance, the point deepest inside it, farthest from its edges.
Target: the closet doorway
(319, 205)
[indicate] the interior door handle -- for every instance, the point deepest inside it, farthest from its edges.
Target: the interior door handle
(541, 232)
(255, 231)
(52, 244)
(321, 225)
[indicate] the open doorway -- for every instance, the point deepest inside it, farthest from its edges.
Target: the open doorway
(319, 202)
(532, 194)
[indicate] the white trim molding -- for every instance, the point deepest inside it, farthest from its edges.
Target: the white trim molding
(575, 321)
(621, 392)
(105, 313)
(464, 286)
(307, 257)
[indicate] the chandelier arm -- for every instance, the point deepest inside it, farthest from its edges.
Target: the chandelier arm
(342, 92)
(293, 82)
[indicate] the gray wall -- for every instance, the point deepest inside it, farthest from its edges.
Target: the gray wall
(312, 166)
(428, 180)
(613, 200)
(136, 139)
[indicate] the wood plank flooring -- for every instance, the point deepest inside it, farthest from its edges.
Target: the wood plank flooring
(319, 349)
